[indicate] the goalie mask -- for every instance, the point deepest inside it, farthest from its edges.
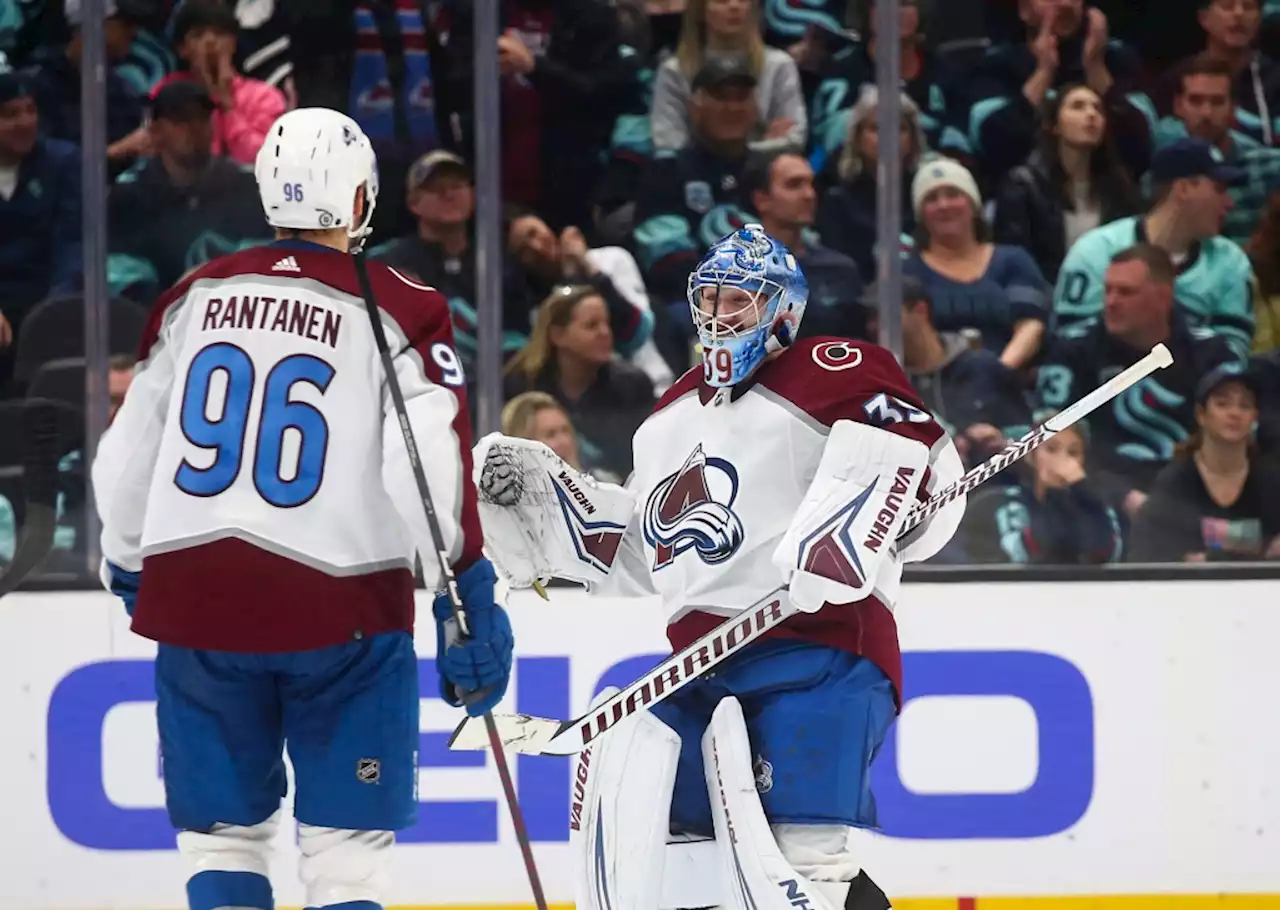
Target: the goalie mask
(747, 296)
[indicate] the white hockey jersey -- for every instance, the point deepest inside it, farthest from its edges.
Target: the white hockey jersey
(256, 472)
(720, 474)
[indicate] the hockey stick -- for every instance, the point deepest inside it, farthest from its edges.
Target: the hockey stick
(45, 439)
(544, 736)
(446, 572)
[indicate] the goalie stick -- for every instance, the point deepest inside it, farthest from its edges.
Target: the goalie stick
(446, 572)
(545, 736)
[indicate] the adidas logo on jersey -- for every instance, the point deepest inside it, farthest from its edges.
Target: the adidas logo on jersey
(287, 264)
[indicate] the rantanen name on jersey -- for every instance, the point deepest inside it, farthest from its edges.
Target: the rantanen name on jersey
(309, 320)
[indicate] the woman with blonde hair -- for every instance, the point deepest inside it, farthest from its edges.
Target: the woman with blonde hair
(570, 357)
(536, 415)
(728, 28)
(847, 213)
(1264, 252)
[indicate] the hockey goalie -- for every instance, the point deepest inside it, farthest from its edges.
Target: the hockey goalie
(779, 461)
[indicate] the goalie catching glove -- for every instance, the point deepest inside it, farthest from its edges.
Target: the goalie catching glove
(542, 518)
(847, 526)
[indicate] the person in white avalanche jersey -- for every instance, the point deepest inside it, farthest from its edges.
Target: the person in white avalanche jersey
(260, 517)
(778, 461)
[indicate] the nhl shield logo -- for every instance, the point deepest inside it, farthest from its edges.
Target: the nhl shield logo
(368, 770)
(697, 196)
(693, 509)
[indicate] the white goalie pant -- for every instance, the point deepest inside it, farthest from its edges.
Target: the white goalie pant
(336, 865)
(625, 859)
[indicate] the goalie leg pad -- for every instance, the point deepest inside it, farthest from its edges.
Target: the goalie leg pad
(620, 814)
(692, 874)
(757, 875)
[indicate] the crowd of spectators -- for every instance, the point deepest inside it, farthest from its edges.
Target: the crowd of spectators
(1081, 181)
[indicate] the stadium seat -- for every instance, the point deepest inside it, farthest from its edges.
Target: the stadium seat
(60, 380)
(35, 435)
(11, 433)
(54, 329)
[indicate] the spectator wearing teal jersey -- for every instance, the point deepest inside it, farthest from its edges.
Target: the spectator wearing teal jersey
(1231, 30)
(182, 207)
(1053, 516)
(1212, 288)
(1204, 108)
(441, 253)
(1137, 432)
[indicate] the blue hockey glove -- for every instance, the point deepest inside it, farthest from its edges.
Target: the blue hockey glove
(474, 672)
(125, 584)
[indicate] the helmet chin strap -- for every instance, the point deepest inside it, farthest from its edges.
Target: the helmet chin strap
(358, 234)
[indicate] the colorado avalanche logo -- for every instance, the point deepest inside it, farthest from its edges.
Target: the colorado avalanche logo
(837, 355)
(683, 512)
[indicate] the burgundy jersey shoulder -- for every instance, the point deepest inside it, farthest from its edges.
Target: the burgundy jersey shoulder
(834, 379)
(689, 382)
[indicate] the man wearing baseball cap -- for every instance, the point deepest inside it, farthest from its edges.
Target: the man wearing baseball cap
(55, 84)
(39, 211)
(690, 198)
(1136, 434)
(440, 194)
(1189, 184)
(184, 206)
(1217, 500)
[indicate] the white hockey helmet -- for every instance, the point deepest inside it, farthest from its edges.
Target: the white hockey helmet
(309, 168)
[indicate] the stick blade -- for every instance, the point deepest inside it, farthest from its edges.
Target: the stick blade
(518, 733)
(1162, 355)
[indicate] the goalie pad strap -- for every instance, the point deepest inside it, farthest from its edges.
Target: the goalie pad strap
(620, 814)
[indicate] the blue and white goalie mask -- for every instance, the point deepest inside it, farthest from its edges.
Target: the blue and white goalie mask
(747, 296)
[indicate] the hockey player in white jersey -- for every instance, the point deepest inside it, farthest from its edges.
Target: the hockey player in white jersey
(779, 461)
(260, 518)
